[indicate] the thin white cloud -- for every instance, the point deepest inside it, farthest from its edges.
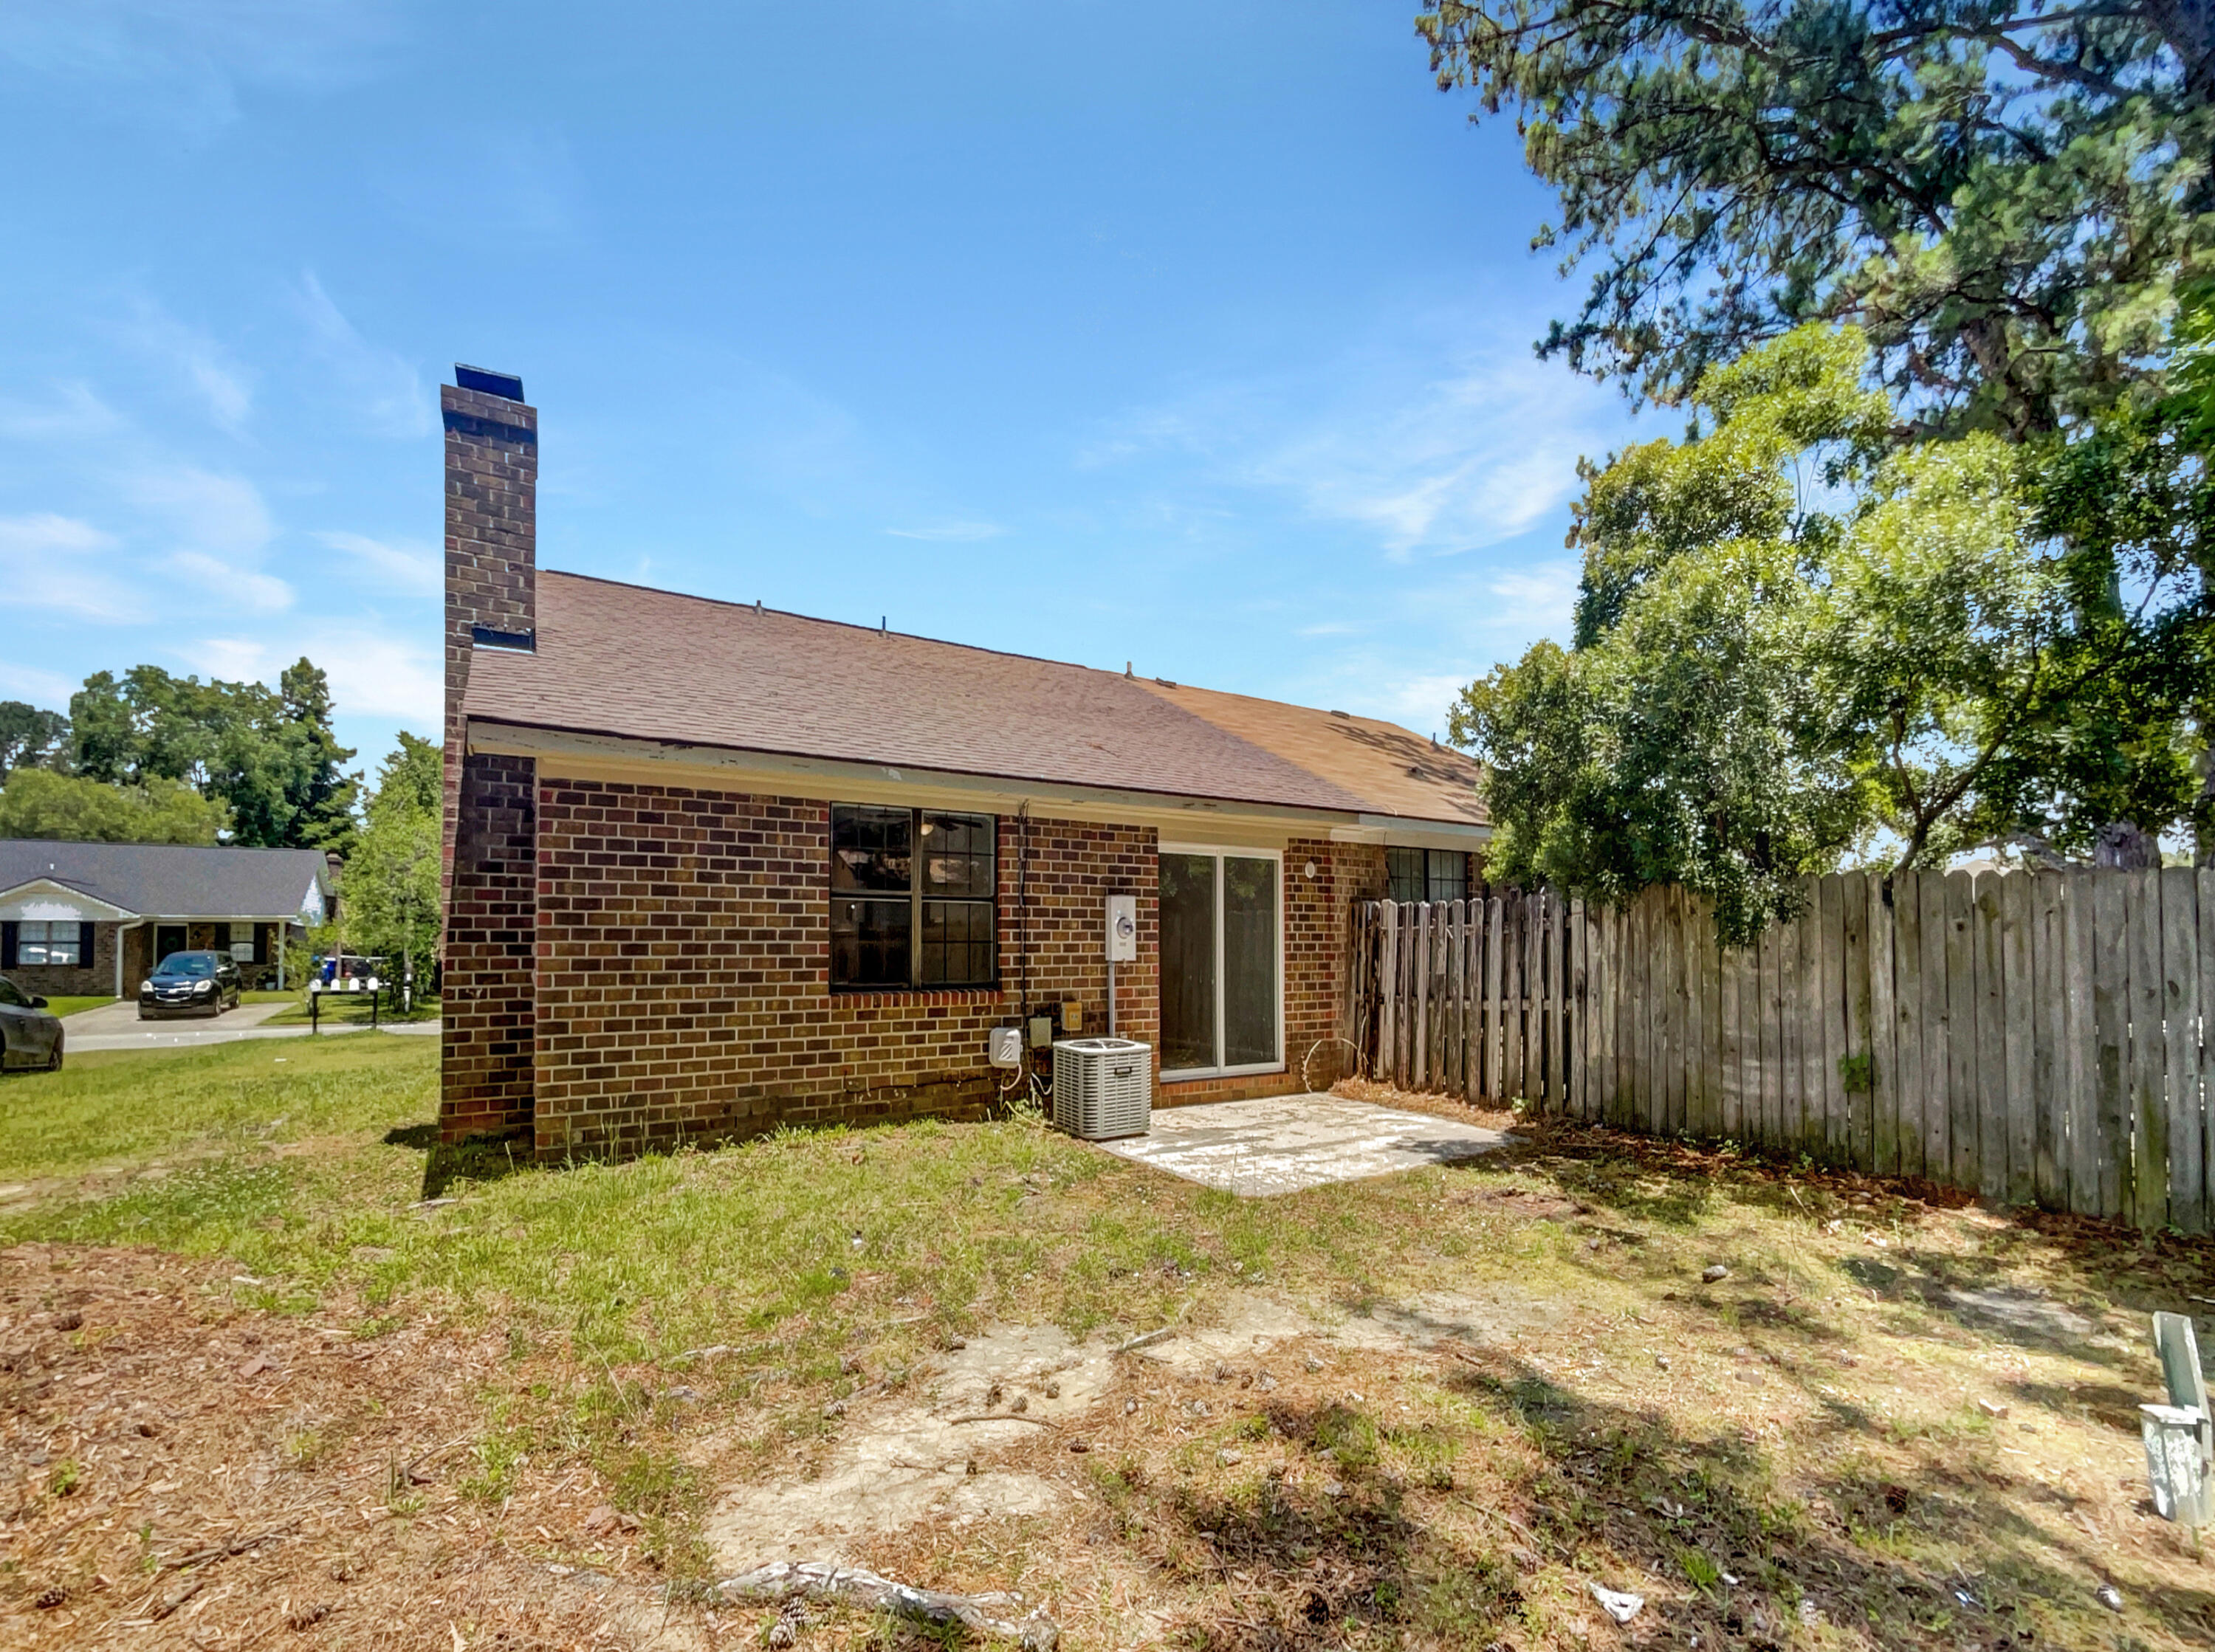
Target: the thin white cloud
(194, 357)
(184, 60)
(40, 688)
(201, 510)
(1539, 597)
(377, 675)
(225, 584)
(372, 673)
(1433, 459)
(1419, 702)
(1335, 629)
(951, 531)
(382, 385)
(415, 569)
(64, 564)
(74, 412)
(234, 659)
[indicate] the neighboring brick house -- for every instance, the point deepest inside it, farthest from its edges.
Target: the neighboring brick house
(93, 919)
(714, 868)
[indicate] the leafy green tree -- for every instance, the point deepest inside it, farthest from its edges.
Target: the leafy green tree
(413, 776)
(30, 736)
(390, 889)
(41, 804)
(271, 758)
(2108, 753)
(1793, 642)
(2002, 195)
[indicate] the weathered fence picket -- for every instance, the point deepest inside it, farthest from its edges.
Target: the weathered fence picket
(2038, 1037)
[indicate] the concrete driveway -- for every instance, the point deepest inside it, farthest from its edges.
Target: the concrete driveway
(1284, 1143)
(116, 1026)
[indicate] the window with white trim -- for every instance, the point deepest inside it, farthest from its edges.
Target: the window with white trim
(1221, 939)
(39, 942)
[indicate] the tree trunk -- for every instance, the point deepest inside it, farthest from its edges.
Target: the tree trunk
(2188, 26)
(2122, 844)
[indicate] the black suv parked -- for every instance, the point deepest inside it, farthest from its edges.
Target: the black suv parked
(189, 983)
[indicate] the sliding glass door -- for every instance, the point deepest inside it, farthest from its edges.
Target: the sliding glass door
(1222, 948)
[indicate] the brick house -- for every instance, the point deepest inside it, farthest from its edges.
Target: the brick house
(93, 919)
(713, 868)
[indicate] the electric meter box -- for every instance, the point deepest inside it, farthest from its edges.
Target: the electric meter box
(1122, 929)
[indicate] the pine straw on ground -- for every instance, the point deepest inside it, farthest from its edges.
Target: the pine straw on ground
(180, 1467)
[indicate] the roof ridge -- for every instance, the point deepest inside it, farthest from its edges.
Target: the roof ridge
(1289, 705)
(842, 625)
(197, 848)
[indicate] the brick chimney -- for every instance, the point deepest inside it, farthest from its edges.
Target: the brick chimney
(490, 831)
(492, 524)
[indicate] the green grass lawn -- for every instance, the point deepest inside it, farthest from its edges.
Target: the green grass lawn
(1817, 1425)
(71, 1003)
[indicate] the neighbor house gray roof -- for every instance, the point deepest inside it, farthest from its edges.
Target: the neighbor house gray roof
(166, 880)
(625, 660)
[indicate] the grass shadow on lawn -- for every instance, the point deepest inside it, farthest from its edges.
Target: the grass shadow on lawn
(1614, 1494)
(448, 1166)
(1367, 1532)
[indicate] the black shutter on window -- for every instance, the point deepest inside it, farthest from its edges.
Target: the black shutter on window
(8, 944)
(261, 943)
(84, 945)
(223, 938)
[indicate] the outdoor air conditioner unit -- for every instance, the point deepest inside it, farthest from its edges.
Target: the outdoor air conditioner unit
(1102, 1087)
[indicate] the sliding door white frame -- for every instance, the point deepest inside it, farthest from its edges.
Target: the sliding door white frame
(1218, 853)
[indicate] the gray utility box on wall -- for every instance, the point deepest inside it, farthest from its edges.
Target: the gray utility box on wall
(1103, 1087)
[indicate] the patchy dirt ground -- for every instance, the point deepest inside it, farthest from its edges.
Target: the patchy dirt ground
(183, 1468)
(1892, 1420)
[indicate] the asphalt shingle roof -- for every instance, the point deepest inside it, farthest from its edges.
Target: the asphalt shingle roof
(167, 880)
(624, 660)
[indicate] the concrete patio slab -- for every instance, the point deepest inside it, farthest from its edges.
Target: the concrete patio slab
(1284, 1143)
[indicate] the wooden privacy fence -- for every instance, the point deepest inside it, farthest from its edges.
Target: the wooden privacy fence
(1470, 997)
(2038, 1037)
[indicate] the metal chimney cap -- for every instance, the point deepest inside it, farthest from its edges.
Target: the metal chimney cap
(483, 379)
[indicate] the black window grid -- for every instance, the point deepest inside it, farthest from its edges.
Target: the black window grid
(914, 899)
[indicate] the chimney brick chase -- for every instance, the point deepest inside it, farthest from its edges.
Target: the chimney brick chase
(490, 827)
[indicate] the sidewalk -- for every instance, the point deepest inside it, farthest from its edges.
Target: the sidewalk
(116, 1026)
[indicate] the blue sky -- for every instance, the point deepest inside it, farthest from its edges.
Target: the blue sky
(1197, 336)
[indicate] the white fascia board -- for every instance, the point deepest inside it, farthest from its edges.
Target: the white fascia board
(214, 917)
(1393, 832)
(57, 903)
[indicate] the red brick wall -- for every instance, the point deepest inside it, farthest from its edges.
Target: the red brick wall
(1062, 900)
(492, 547)
(93, 980)
(682, 972)
(488, 1004)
